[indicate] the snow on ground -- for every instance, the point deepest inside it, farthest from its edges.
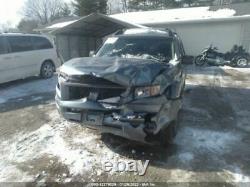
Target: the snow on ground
(21, 89)
(238, 176)
(82, 152)
(52, 140)
(208, 140)
(212, 76)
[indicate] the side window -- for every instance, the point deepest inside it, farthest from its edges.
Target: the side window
(20, 43)
(41, 43)
(3, 46)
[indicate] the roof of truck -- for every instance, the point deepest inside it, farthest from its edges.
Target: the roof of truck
(146, 32)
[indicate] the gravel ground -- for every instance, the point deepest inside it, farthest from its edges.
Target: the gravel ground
(212, 144)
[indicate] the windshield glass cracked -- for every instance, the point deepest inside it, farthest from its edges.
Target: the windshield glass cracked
(131, 88)
(156, 48)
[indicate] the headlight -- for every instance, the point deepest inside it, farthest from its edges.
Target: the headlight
(147, 91)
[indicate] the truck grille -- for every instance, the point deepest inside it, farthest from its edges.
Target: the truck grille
(92, 87)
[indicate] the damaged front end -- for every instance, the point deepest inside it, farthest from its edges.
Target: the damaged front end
(124, 97)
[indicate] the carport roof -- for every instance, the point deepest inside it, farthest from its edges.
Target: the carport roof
(95, 25)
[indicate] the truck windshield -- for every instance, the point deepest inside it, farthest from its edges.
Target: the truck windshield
(156, 48)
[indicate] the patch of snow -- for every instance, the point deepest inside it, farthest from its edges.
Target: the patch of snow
(181, 176)
(11, 173)
(36, 98)
(67, 180)
(174, 15)
(238, 176)
(209, 140)
(27, 88)
(77, 160)
(245, 70)
(60, 25)
(212, 76)
(78, 153)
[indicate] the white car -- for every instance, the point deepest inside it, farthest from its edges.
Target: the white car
(25, 55)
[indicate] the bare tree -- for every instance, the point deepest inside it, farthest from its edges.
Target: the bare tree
(44, 11)
(7, 27)
(27, 26)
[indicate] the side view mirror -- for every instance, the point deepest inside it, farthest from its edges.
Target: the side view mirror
(92, 54)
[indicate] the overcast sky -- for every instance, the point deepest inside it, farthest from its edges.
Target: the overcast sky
(10, 11)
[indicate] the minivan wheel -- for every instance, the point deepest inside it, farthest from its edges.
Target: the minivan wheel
(47, 70)
(168, 134)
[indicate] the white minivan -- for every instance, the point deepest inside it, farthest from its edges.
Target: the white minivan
(25, 55)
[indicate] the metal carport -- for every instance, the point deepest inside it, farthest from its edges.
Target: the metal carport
(86, 34)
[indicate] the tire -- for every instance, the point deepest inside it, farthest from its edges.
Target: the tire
(166, 136)
(242, 62)
(198, 61)
(47, 70)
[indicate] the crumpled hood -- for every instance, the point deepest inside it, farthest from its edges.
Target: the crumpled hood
(123, 71)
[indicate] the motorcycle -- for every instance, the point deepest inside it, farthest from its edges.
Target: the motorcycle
(237, 57)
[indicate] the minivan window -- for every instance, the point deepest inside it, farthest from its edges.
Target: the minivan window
(41, 43)
(20, 43)
(3, 46)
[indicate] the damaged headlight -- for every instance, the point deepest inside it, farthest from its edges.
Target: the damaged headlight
(148, 91)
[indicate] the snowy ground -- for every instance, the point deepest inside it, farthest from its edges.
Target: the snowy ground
(212, 144)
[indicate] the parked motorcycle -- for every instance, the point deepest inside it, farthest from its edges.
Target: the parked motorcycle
(237, 57)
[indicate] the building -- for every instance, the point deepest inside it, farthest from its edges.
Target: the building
(222, 26)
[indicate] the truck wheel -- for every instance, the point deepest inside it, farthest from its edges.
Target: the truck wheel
(47, 70)
(199, 61)
(167, 135)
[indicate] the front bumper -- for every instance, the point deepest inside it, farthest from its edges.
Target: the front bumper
(135, 120)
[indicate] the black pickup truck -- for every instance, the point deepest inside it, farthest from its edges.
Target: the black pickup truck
(131, 88)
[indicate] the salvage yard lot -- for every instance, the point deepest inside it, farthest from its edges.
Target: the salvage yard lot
(212, 144)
